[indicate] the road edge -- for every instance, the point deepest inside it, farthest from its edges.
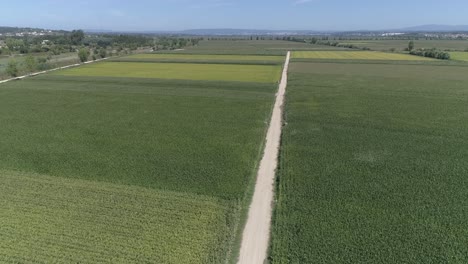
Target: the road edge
(256, 234)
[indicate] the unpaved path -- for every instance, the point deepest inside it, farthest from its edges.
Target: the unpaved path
(256, 236)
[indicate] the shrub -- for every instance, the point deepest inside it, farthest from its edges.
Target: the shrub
(103, 53)
(83, 54)
(30, 63)
(431, 53)
(12, 68)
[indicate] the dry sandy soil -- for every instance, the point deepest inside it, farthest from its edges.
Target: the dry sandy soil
(256, 234)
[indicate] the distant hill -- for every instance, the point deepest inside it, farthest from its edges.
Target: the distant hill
(436, 28)
(230, 31)
(249, 32)
(17, 29)
(14, 30)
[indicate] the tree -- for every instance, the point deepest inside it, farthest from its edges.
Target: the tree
(77, 37)
(103, 53)
(83, 54)
(411, 45)
(30, 63)
(14, 44)
(12, 68)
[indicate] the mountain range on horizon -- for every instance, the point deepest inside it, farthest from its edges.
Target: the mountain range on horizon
(233, 31)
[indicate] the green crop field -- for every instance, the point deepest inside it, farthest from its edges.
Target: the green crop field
(203, 58)
(355, 55)
(400, 45)
(373, 165)
(151, 158)
(462, 56)
(127, 170)
(189, 57)
(181, 71)
(250, 47)
(50, 219)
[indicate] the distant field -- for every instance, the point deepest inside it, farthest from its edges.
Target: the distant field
(258, 47)
(355, 55)
(147, 170)
(373, 166)
(192, 136)
(400, 45)
(184, 71)
(462, 56)
(208, 57)
(55, 220)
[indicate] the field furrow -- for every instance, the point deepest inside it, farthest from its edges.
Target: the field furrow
(179, 71)
(373, 166)
(356, 55)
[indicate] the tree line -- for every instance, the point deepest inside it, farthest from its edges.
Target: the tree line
(37, 51)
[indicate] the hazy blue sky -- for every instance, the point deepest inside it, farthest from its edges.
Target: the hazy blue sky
(249, 14)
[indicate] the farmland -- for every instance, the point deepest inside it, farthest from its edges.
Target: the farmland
(204, 58)
(373, 165)
(86, 222)
(151, 158)
(355, 55)
(250, 47)
(462, 56)
(400, 45)
(183, 57)
(186, 71)
(101, 165)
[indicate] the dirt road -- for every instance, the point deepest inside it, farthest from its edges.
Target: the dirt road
(256, 236)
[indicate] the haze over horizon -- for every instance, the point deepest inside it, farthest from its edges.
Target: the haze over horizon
(145, 15)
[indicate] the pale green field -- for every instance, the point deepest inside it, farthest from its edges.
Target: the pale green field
(180, 71)
(207, 57)
(355, 55)
(60, 220)
(462, 56)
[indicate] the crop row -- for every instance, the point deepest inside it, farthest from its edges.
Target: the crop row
(206, 57)
(354, 55)
(462, 56)
(200, 139)
(372, 166)
(215, 72)
(48, 219)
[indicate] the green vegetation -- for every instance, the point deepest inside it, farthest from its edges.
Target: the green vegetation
(192, 145)
(36, 62)
(12, 68)
(59, 44)
(249, 47)
(157, 134)
(462, 56)
(203, 59)
(373, 166)
(240, 73)
(353, 55)
(143, 159)
(431, 53)
(173, 57)
(206, 57)
(402, 45)
(55, 220)
(83, 55)
(411, 45)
